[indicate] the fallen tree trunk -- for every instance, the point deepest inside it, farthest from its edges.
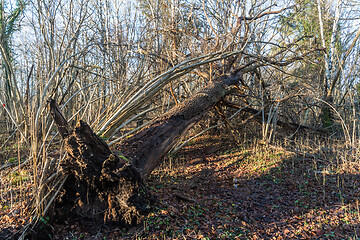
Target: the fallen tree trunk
(105, 188)
(147, 148)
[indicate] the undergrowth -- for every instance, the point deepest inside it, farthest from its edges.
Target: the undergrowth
(216, 188)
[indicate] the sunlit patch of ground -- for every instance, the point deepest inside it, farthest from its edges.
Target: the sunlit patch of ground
(15, 193)
(215, 188)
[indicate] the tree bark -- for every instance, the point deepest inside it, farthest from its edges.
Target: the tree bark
(105, 188)
(147, 148)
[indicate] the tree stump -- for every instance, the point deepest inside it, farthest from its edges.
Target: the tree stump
(101, 186)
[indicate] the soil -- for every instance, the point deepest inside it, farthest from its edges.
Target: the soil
(215, 188)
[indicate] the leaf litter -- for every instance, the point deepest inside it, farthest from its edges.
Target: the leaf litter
(216, 189)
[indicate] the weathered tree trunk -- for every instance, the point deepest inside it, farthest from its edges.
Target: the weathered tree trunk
(147, 148)
(104, 188)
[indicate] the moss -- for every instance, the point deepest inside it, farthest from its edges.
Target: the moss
(327, 118)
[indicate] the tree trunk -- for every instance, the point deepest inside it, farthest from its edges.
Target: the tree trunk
(105, 188)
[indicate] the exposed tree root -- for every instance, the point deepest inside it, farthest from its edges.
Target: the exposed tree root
(103, 188)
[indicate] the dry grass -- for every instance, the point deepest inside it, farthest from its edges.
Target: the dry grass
(284, 192)
(16, 190)
(217, 188)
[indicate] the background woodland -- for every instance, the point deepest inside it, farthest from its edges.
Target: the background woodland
(119, 64)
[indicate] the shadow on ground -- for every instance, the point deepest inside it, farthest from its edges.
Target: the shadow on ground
(217, 189)
(238, 193)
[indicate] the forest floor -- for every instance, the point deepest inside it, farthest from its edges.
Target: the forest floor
(215, 188)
